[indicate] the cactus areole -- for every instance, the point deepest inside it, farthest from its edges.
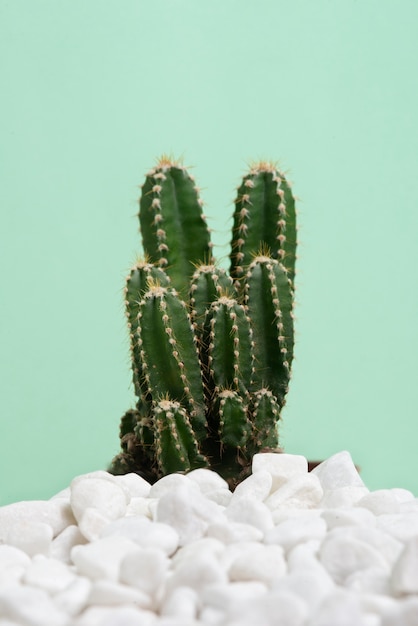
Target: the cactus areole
(211, 351)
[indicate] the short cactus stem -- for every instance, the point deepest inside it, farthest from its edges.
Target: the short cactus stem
(234, 425)
(269, 304)
(174, 230)
(169, 354)
(264, 216)
(137, 284)
(207, 284)
(175, 442)
(228, 342)
(265, 414)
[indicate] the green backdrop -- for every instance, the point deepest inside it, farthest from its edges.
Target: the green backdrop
(92, 93)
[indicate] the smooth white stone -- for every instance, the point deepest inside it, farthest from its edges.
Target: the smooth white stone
(74, 598)
(380, 501)
(207, 480)
(106, 496)
(282, 514)
(377, 604)
(31, 607)
(56, 513)
(188, 512)
(401, 526)
(341, 555)
(388, 547)
(265, 611)
(137, 486)
(48, 574)
(371, 580)
(116, 616)
(106, 592)
(292, 532)
(409, 506)
(170, 483)
(197, 573)
(231, 532)
(404, 579)
(260, 563)
(404, 613)
(303, 491)
(256, 486)
(92, 523)
(340, 608)
(304, 557)
(349, 517)
(280, 466)
(30, 536)
(13, 564)
(140, 507)
(145, 569)
(343, 497)
(403, 495)
(223, 596)
(338, 471)
(145, 533)
(195, 549)
(64, 493)
(102, 558)
(182, 603)
(211, 616)
(249, 511)
(220, 496)
(63, 544)
(312, 586)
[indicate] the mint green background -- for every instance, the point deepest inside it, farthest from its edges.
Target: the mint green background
(92, 92)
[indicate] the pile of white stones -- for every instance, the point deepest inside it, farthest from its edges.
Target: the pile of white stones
(287, 548)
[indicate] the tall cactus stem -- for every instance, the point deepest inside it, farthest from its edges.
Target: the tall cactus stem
(169, 353)
(269, 304)
(234, 425)
(265, 415)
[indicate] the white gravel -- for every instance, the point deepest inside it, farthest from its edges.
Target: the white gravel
(287, 548)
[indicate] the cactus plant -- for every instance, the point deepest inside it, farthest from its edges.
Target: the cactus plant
(211, 351)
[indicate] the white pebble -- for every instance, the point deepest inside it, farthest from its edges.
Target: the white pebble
(233, 532)
(106, 496)
(256, 486)
(63, 544)
(182, 603)
(48, 574)
(295, 531)
(258, 563)
(312, 586)
(207, 480)
(144, 569)
(340, 608)
(188, 512)
(349, 517)
(74, 598)
(380, 501)
(402, 526)
(343, 497)
(140, 507)
(55, 513)
(220, 496)
(171, 483)
(145, 533)
(136, 486)
(280, 466)
(116, 616)
(373, 580)
(30, 536)
(341, 555)
(102, 558)
(29, 606)
(265, 610)
(404, 578)
(13, 564)
(92, 523)
(249, 511)
(338, 471)
(303, 491)
(106, 592)
(204, 569)
(224, 596)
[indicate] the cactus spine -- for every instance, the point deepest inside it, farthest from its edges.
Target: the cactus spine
(211, 352)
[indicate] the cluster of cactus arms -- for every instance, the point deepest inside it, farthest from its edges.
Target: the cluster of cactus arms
(211, 350)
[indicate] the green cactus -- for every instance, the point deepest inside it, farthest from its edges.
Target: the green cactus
(211, 352)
